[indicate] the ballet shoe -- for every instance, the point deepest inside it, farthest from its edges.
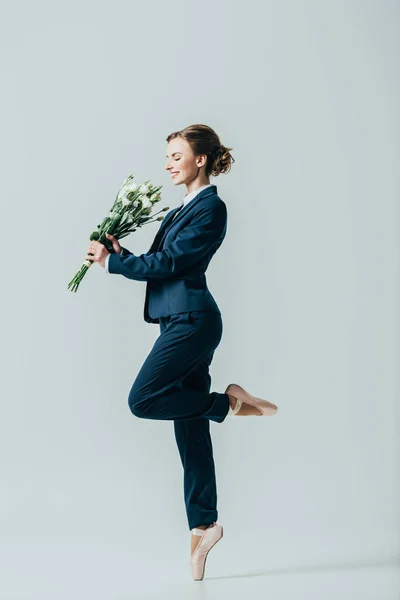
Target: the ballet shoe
(209, 537)
(264, 407)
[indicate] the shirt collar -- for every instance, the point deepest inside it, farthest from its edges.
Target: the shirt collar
(193, 194)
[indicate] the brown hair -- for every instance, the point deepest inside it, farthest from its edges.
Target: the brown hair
(204, 140)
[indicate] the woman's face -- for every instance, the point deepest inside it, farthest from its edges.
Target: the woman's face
(181, 163)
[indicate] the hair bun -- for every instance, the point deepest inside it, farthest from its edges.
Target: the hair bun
(223, 160)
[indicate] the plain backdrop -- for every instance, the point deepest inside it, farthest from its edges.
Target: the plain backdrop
(306, 93)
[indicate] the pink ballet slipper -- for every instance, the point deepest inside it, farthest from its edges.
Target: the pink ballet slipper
(209, 537)
(266, 408)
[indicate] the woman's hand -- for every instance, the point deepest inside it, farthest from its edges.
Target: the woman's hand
(97, 252)
(115, 243)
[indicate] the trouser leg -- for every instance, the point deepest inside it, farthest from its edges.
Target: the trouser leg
(194, 443)
(156, 393)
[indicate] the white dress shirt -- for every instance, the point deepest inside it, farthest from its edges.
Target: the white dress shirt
(185, 200)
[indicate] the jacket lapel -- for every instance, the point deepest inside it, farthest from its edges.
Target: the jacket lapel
(168, 222)
(160, 232)
(184, 210)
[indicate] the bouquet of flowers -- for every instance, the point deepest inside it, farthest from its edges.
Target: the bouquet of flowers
(131, 209)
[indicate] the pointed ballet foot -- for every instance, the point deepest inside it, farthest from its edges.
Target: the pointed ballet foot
(264, 408)
(208, 538)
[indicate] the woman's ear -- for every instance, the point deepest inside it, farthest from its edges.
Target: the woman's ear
(201, 159)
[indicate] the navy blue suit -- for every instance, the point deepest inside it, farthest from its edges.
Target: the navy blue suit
(174, 381)
(174, 267)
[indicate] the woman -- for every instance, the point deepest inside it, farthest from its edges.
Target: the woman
(174, 382)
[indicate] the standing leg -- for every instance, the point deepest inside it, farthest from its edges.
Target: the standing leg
(196, 452)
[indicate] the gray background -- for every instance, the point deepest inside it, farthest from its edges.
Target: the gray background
(306, 93)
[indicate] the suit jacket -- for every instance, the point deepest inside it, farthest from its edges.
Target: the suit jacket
(174, 267)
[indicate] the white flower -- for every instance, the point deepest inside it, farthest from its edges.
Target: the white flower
(124, 191)
(144, 189)
(146, 203)
(125, 201)
(131, 187)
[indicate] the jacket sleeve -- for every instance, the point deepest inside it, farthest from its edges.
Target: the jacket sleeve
(124, 252)
(191, 244)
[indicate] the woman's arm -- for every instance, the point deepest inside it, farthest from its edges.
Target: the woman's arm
(191, 244)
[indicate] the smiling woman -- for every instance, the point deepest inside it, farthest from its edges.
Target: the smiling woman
(199, 152)
(174, 382)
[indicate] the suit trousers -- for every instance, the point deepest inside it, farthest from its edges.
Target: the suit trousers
(174, 384)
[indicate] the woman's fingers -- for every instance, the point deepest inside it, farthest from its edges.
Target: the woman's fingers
(96, 251)
(94, 247)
